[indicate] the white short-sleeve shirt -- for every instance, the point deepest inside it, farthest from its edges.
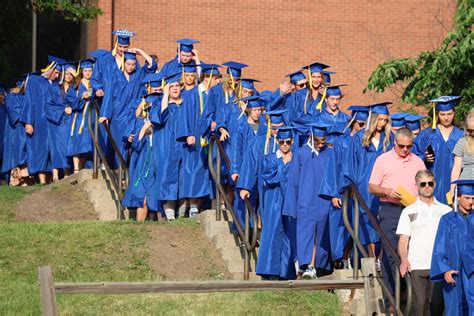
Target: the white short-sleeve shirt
(420, 222)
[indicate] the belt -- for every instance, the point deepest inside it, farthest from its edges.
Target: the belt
(391, 204)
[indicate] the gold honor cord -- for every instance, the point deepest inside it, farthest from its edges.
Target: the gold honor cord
(163, 83)
(320, 104)
(310, 89)
(73, 125)
(84, 112)
(433, 124)
(267, 137)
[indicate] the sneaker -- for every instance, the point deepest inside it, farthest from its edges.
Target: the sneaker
(309, 274)
(193, 212)
(170, 215)
(378, 265)
(347, 264)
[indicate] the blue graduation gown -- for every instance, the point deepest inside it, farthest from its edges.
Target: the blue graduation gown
(331, 188)
(302, 201)
(79, 139)
(142, 176)
(194, 175)
(173, 66)
(14, 151)
(275, 256)
(117, 103)
(167, 150)
(444, 157)
(39, 92)
(359, 167)
(338, 122)
(58, 128)
(452, 252)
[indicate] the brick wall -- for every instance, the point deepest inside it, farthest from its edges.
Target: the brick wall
(276, 37)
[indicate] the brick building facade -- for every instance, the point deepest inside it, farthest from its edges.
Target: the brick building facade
(276, 37)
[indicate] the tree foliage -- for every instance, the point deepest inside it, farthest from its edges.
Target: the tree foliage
(447, 70)
(72, 10)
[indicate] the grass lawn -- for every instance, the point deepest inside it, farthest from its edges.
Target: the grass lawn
(91, 251)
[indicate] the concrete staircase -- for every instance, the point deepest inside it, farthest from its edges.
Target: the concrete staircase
(219, 232)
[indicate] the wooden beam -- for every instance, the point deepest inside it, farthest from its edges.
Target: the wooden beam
(204, 286)
(47, 291)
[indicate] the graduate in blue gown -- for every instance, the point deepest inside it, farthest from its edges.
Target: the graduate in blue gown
(366, 147)
(141, 193)
(442, 136)
(167, 149)
(275, 256)
(398, 121)
(453, 255)
(332, 186)
(210, 76)
(79, 98)
(115, 109)
(302, 201)
(186, 55)
(39, 92)
(414, 123)
(14, 151)
(331, 114)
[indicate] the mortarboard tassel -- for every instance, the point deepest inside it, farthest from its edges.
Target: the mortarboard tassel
(49, 67)
(243, 109)
(368, 119)
(320, 104)
(433, 124)
(455, 198)
(349, 124)
(163, 83)
(267, 136)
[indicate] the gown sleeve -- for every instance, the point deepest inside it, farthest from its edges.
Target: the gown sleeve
(440, 257)
(292, 187)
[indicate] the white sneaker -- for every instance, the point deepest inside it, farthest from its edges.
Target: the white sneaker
(378, 265)
(347, 264)
(170, 215)
(310, 274)
(193, 212)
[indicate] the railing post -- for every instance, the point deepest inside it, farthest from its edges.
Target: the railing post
(355, 264)
(218, 183)
(247, 252)
(95, 158)
(397, 288)
(119, 194)
(369, 273)
(47, 291)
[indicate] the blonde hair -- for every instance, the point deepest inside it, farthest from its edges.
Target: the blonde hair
(469, 138)
(370, 133)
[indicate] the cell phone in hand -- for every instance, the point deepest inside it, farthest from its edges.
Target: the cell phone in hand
(430, 150)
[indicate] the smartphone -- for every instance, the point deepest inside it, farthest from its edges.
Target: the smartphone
(430, 150)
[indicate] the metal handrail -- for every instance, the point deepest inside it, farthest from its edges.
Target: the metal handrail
(244, 233)
(119, 182)
(359, 200)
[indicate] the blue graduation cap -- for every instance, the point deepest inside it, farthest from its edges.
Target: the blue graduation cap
(176, 77)
(359, 112)
(276, 116)
(465, 186)
(123, 36)
(296, 76)
(379, 108)
(210, 69)
(71, 66)
(319, 129)
(413, 121)
(55, 62)
(327, 75)
(189, 68)
(154, 79)
(186, 44)
(87, 63)
(265, 95)
(285, 132)
(248, 83)
(96, 54)
(316, 67)
(334, 90)
(234, 68)
(252, 101)
(149, 97)
(128, 55)
(19, 81)
(445, 103)
(398, 119)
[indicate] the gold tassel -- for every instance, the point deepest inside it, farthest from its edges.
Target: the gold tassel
(320, 104)
(84, 112)
(73, 125)
(433, 124)
(310, 79)
(267, 137)
(49, 67)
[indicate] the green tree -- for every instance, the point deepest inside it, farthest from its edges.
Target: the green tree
(72, 10)
(447, 70)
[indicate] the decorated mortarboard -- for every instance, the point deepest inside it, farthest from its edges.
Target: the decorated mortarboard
(334, 90)
(398, 119)
(285, 132)
(248, 83)
(296, 76)
(129, 55)
(234, 68)
(252, 102)
(176, 77)
(316, 67)
(327, 75)
(96, 54)
(154, 79)
(123, 36)
(210, 69)
(186, 44)
(413, 121)
(276, 116)
(319, 129)
(445, 103)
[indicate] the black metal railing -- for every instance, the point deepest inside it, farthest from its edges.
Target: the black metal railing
(353, 229)
(248, 239)
(120, 178)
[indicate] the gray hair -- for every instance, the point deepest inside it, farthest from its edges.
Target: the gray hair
(404, 132)
(423, 173)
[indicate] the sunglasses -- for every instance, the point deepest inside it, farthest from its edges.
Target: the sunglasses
(284, 142)
(429, 183)
(404, 146)
(301, 85)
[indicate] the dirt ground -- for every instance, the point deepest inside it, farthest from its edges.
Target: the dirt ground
(184, 253)
(55, 202)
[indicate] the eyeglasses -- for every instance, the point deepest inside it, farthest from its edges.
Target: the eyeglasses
(404, 146)
(284, 142)
(301, 85)
(429, 183)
